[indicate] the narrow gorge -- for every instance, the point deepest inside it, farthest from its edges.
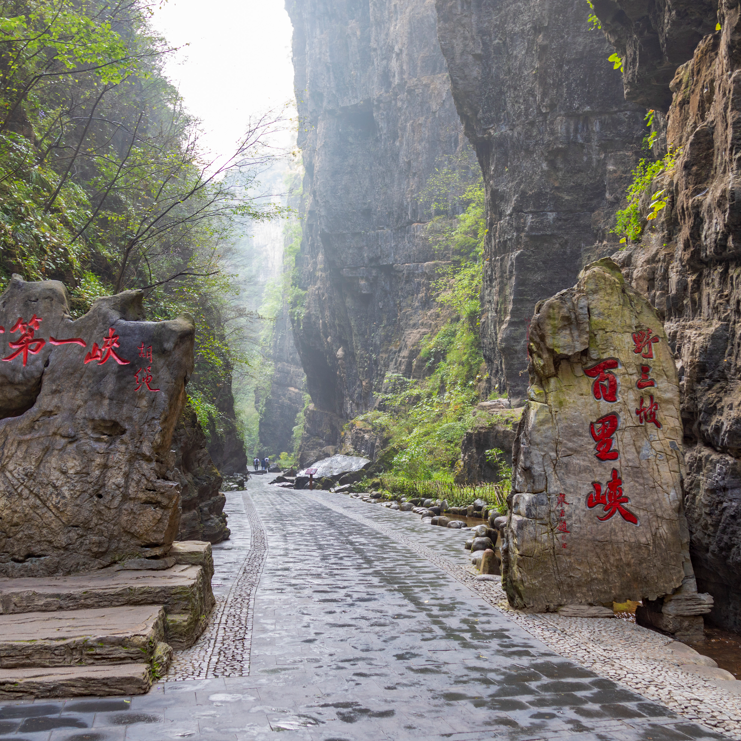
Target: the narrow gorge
(554, 100)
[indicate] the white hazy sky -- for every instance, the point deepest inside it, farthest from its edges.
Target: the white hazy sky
(238, 61)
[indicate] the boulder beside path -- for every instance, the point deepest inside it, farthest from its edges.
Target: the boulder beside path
(87, 413)
(596, 511)
(338, 469)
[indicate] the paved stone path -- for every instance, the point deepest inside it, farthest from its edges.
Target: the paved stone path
(355, 636)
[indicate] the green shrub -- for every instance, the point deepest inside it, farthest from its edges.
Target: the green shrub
(629, 223)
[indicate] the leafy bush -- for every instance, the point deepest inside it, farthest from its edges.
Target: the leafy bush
(629, 223)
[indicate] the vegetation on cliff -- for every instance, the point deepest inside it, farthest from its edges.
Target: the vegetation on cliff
(644, 201)
(103, 182)
(425, 420)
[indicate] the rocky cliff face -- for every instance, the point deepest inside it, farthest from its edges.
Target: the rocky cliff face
(556, 141)
(226, 448)
(285, 397)
(201, 502)
(377, 116)
(689, 264)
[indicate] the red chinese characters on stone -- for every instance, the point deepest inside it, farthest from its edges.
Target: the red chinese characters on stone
(605, 385)
(602, 431)
(647, 413)
(26, 344)
(144, 378)
(107, 351)
(644, 340)
(144, 375)
(145, 352)
(644, 381)
(71, 341)
(561, 512)
(612, 500)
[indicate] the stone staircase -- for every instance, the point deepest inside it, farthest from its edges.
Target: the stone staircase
(110, 632)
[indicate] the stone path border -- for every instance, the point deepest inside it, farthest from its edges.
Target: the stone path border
(224, 648)
(633, 656)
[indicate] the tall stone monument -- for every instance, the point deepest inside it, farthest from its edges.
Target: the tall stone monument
(87, 412)
(596, 513)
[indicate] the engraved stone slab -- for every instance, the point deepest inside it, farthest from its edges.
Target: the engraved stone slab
(87, 412)
(76, 681)
(596, 506)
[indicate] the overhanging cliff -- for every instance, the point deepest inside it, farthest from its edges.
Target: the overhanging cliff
(556, 140)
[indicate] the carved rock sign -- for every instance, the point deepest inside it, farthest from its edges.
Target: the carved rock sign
(596, 510)
(87, 412)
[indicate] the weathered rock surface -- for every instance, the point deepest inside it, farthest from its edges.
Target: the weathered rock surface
(202, 503)
(374, 93)
(479, 462)
(596, 510)
(101, 636)
(76, 681)
(337, 466)
(87, 413)
(689, 262)
(653, 39)
(556, 141)
(362, 438)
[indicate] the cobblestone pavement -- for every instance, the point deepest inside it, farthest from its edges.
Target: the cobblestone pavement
(224, 648)
(356, 636)
(641, 659)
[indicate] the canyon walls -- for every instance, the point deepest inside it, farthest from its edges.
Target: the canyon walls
(558, 133)
(285, 395)
(556, 141)
(688, 260)
(376, 119)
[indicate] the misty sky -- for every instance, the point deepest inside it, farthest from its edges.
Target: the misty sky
(238, 61)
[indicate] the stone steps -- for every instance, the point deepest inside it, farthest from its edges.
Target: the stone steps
(109, 632)
(184, 590)
(76, 681)
(178, 589)
(127, 634)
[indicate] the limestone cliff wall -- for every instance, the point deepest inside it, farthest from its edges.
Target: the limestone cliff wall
(285, 398)
(376, 116)
(689, 264)
(556, 140)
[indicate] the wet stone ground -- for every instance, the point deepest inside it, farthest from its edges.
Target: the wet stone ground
(328, 629)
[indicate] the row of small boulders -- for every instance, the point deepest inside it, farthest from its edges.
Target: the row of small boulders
(437, 512)
(484, 544)
(484, 540)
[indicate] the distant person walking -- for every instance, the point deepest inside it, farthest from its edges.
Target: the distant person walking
(267, 462)
(256, 462)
